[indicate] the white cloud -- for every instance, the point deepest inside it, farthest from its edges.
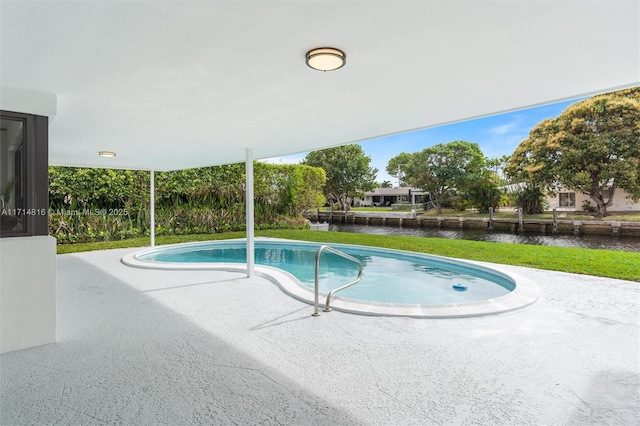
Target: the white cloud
(516, 125)
(504, 128)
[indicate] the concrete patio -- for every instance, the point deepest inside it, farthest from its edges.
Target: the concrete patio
(171, 347)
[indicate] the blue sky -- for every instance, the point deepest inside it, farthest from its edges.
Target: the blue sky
(497, 135)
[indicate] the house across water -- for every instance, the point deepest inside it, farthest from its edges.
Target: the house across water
(566, 200)
(380, 197)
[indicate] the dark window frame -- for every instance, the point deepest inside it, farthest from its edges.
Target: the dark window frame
(35, 187)
(567, 199)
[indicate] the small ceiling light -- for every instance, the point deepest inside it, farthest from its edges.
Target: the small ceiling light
(107, 154)
(326, 59)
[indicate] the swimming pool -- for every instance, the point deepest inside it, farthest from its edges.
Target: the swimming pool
(393, 282)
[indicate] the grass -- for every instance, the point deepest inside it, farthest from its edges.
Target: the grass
(144, 242)
(602, 263)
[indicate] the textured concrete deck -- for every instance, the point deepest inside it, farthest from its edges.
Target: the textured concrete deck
(171, 347)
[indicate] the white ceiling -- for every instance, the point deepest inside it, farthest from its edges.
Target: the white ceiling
(171, 85)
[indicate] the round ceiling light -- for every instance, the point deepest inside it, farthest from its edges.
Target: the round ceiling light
(106, 154)
(326, 59)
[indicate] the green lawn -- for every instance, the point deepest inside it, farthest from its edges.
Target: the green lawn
(603, 263)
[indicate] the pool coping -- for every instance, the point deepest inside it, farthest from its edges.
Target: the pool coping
(525, 293)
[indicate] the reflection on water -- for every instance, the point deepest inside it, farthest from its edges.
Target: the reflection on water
(563, 240)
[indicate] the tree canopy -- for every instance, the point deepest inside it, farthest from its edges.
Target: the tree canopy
(398, 165)
(483, 191)
(593, 146)
(443, 168)
(348, 171)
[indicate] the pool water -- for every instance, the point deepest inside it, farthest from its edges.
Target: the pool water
(389, 276)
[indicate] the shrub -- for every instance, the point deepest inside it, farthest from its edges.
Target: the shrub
(484, 195)
(531, 200)
(205, 200)
(459, 203)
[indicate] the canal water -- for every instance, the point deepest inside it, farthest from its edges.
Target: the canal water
(584, 241)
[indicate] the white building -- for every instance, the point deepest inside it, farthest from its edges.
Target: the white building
(387, 196)
(573, 201)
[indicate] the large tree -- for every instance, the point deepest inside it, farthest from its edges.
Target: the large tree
(594, 145)
(348, 170)
(397, 166)
(444, 168)
(483, 191)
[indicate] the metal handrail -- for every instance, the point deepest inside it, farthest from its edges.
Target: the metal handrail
(327, 307)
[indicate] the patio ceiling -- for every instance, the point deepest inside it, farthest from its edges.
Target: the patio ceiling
(172, 85)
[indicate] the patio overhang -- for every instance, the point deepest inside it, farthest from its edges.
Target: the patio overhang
(173, 85)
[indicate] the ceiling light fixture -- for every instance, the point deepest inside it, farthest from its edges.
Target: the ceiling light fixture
(326, 59)
(107, 154)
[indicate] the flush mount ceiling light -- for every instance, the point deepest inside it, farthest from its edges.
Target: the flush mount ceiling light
(326, 59)
(106, 154)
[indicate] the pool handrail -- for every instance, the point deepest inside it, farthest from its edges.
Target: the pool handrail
(327, 307)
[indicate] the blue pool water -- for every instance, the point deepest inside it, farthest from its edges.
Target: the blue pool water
(389, 276)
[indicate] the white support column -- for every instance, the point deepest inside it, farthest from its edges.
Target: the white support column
(152, 207)
(249, 207)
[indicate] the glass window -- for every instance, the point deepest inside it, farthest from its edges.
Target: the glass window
(12, 175)
(567, 199)
(24, 192)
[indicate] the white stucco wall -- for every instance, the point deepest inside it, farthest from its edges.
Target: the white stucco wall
(620, 203)
(27, 292)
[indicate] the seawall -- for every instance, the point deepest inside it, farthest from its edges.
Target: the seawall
(541, 226)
